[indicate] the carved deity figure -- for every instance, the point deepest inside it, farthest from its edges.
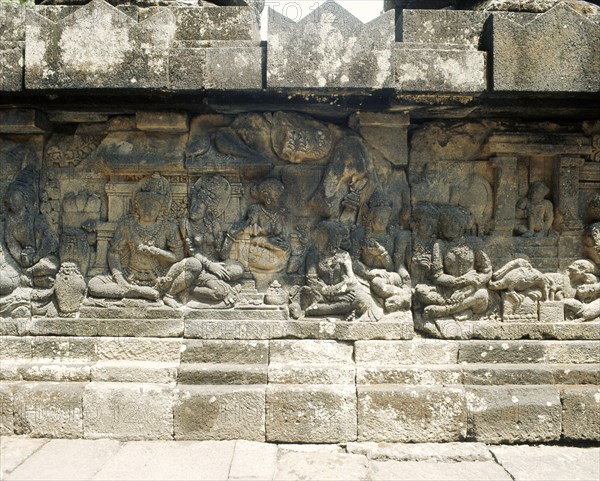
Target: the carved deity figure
(591, 235)
(332, 287)
(28, 236)
(265, 230)
(460, 271)
(585, 279)
(534, 213)
(203, 272)
(145, 244)
(378, 250)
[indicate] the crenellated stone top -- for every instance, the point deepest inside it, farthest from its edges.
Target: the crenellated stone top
(206, 47)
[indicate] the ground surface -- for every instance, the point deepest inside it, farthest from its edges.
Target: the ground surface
(42, 459)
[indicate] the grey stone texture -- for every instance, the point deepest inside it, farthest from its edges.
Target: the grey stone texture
(48, 409)
(558, 51)
(98, 46)
(420, 68)
(128, 411)
(329, 48)
(311, 413)
(514, 414)
(401, 413)
(581, 412)
(219, 412)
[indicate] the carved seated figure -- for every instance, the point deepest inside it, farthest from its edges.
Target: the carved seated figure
(332, 288)
(28, 237)
(379, 252)
(10, 277)
(591, 235)
(145, 244)
(534, 214)
(460, 272)
(584, 277)
(202, 276)
(265, 229)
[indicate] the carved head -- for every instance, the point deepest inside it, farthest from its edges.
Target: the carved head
(20, 195)
(328, 236)
(297, 138)
(454, 223)
(380, 211)
(209, 196)
(425, 220)
(269, 192)
(152, 199)
(538, 191)
(581, 269)
(593, 209)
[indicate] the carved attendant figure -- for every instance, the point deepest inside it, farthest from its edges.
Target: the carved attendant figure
(584, 278)
(28, 236)
(591, 235)
(534, 213)
(202, 271)
(379, 253)
(145, 244)
(460, 272)
(332, 288)
(265, 228)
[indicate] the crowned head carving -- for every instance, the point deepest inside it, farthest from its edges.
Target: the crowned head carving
(209, 197)
(152, 199)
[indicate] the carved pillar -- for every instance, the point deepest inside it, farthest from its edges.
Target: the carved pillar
(567, 191)
(507, 193)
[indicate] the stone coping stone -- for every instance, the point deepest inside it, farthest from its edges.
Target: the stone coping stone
(302, 329)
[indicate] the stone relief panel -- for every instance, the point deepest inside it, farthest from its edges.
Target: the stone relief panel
(282, 212)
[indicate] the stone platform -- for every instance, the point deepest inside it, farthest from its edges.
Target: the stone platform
(341, 388)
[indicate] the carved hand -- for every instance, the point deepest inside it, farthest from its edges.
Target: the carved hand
(219, 270)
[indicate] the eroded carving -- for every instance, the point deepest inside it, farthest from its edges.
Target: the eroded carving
(534, 213)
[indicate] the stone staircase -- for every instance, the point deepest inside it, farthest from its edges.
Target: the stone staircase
(298, 390)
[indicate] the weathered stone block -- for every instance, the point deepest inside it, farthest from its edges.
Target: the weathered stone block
(135, 371)
(98, 46)
(142, 349)
(493, 374)
(581, 413)
(201, 373)
(513, 414)
(420, 351)
(11, 69)
(303, 373)
(56, 347)
(233, 352)
(161, 121)
(421, 375)
(556, 352)
(23, 121)
(329, 48)
(128, 411)
(388, 133)
(552, 311)
(411, 413)
(49, 409)
(220, 412)
(139, 327)
(557, 51)
(420, 69)
(15, 347)
(7, 426)
(311, 414)
(448, 27)
(55, 370)
(312, 352)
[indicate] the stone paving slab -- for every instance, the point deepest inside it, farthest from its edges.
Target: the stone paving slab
(25, 458)
(533, 463)
(16, 449)
(427, 471)
(146, 460)
(62, 459)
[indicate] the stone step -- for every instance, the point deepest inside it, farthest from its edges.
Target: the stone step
(306, 373)
(241, 313)
(45, 370)
(310, 351)
(291, 413)
(135, 371)
(215, 374)
(218, 351)
(478, 374)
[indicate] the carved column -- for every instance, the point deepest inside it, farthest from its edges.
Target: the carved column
(567, 191)
(507, 193)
